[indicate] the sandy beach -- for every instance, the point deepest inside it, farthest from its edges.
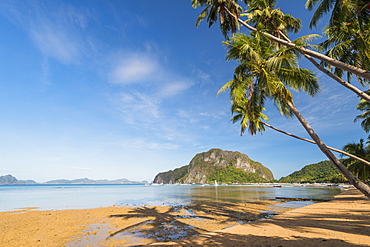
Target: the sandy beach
(344, 221)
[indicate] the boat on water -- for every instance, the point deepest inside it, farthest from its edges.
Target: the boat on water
(216, 184)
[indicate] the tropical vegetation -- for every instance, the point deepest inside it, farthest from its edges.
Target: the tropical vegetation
(322, 172)
(361, 170)
(268, 61)
(231, 174)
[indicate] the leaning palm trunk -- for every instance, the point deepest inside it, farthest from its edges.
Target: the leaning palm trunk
(349, 68)
(365, 189)
(354, 89)
(310, 141)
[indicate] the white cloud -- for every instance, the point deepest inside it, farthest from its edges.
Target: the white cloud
(174, 88)
(134, 68)
(148, 70)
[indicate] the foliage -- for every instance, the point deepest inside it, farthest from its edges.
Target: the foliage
(264, 72)
(365, 116)
(215, 10)
(265, 13)
(361, 170)
(231, 174)
(322, 172)
(348, 32)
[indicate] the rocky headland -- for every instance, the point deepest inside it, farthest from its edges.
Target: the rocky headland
(220, 165)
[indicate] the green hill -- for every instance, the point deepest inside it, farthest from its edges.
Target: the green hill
(322, 172)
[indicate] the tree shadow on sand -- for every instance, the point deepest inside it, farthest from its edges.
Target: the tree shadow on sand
(161, 226)
(177, 222)
(344, 224)
(232, 213)
(230, 239)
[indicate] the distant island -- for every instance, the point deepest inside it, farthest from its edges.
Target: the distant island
(217, 165)
(10, 180)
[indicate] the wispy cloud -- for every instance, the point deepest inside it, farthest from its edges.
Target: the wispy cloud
(54, 28)
(145, 84)
(137, 108)
(55, 43)
(146, 144)
(80, 168)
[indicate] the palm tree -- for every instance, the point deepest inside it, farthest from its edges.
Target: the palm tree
(353, 9)
(216, 9)
(274, 20)
(348, 35)
(349, 41)
(266, 73)
(263, 12)
(358, 168)
(234, 16)
(365, 107)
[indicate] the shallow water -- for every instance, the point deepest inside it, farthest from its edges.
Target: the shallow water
(57, 197)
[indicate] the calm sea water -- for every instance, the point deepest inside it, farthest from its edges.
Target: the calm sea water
(56, 197)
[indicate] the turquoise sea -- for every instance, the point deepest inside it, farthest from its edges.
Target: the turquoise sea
(58, 197)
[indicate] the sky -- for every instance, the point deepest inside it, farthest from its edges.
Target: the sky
(127, 89)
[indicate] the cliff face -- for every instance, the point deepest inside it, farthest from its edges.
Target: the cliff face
(203, 165)
(172, 176)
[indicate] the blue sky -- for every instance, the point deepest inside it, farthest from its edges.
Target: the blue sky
(127, 89)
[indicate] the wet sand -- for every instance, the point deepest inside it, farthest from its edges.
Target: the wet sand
(122, 226)
(344, 221)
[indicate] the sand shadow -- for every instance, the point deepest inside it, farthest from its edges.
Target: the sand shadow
(160, 226)
(229, 239)
(349, 222)
(177, 222)
(232, 213)
(337, 226)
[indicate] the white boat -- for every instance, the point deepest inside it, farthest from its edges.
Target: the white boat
(216, 184)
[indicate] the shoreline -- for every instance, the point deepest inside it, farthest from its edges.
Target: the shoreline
(64, 199)
(341, 222)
